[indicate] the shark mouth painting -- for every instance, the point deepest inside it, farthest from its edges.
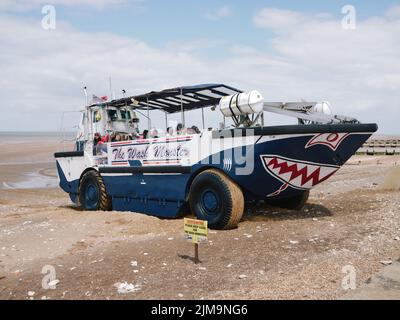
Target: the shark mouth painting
(297, 174)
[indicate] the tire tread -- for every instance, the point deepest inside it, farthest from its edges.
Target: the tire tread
(236, 201)
(105, 203)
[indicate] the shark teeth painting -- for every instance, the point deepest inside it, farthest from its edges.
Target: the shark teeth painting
(298, 174)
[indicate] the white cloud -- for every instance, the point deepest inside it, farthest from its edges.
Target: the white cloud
(393, 12)
(27, 5)
(357, 69)
(43, 72)
(277, 19)
(220, 13)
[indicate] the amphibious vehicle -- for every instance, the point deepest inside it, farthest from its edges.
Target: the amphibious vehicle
(210, 172)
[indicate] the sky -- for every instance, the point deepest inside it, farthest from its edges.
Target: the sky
(288, 50)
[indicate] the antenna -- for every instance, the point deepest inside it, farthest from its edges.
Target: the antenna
(88, 114)
(111, 91)
(86, 96)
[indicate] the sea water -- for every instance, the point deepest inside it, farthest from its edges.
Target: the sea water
(33, 174)
(32, 180)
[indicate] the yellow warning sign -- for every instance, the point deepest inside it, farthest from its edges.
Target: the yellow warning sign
(195, 230)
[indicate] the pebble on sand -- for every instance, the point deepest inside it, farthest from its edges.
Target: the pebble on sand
(53, 283)
(386, 262)
(134, 263)
(125, 287)
(242, 276)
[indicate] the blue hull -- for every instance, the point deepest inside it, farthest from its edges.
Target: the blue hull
(280, 168)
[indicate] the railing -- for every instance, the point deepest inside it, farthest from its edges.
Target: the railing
(64, 132)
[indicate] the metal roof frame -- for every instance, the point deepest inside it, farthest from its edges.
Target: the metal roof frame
(175, 99)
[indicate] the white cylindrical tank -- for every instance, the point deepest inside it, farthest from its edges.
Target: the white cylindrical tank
(323, 107)
(241, 103)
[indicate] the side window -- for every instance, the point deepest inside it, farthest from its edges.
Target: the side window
(96, 116)
(125, 115)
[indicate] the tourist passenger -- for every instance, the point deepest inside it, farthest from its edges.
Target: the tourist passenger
(104, 139)
(179, 128)
(154, 133)
(170, 132)
(97, 138)
(145, 133)
(101, 146)
(184, 131)
(195, 129)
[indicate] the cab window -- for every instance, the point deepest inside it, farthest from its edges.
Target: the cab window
(125, 115)
(96, 116)
(112, 115)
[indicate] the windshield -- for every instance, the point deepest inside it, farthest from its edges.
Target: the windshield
(112, 115)
(96, 116)
(125, 115)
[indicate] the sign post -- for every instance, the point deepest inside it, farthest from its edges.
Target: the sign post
(196, 253)
(195, 230)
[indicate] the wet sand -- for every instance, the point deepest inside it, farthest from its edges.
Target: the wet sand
(351, 219)
(27, 161)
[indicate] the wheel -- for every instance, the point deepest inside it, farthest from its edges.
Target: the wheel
(216, 198)
(295, 202)
(92, 192)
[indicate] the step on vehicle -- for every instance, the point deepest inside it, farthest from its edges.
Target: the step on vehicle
(213, 172)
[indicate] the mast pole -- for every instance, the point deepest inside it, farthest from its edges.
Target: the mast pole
(111, 92)
(148, 115)
(182, 112)
(202, 117)
(88, 114)
(86, 96)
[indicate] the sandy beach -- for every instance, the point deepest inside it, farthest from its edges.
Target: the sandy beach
(351, 219)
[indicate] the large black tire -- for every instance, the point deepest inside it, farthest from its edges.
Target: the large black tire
(92, 193)
(216, 198)
(294, 203)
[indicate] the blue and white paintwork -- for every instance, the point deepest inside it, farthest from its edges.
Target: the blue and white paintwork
(263, 166)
